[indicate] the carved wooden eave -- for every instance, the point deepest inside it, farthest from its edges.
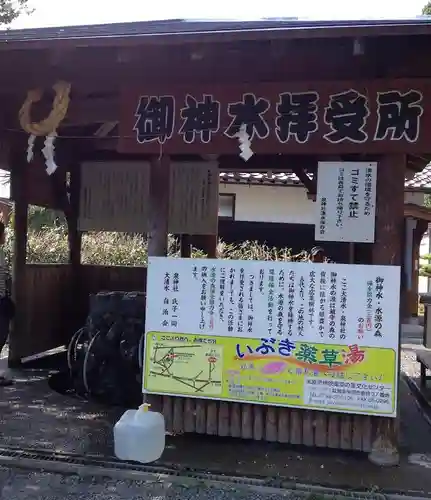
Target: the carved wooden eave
(417, 212)
(310, 183)
(104, 63)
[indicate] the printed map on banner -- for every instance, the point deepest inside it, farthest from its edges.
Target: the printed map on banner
(317, 336)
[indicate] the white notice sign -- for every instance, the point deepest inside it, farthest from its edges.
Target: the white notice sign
(346, 201)
(303, 335)
(329, 303)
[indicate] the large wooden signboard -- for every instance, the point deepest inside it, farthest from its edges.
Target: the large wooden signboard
(339, 117)
(314, 336)
(193, 198)
(114, 197)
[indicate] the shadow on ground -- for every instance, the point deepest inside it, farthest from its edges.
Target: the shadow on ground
(32, 416)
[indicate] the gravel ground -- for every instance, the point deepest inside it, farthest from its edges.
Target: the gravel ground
(22, 485)
(16, 484)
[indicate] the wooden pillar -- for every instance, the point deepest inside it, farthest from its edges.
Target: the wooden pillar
(418, 234)
(408, 264)
(159, 207)
(19, 195)
(74, 235)
(186, 246)
(387, 250)
(158, 237)
(209, 245)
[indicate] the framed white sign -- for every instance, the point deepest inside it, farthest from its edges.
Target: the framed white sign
(346, 202)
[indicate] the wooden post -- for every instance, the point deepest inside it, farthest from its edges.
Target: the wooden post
(186, 246)
(159, 208)
(418, 233)
(158, 242)
(19, 195)
(387, 250)
(209, 245)
(74, 235)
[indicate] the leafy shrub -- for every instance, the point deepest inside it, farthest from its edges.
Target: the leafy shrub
(50, 245)
(47, 243)
(425, 269)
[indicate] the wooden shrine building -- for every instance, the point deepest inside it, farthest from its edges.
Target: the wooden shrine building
(154, 113)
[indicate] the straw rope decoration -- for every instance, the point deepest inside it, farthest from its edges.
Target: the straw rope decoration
(48, 126)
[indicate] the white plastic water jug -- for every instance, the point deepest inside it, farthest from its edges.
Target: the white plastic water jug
(139, 435)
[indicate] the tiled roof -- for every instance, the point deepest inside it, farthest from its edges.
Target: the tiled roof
(421, 180)
(186, 26)
(282, 178)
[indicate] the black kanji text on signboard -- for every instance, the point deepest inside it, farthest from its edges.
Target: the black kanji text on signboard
(295, 117)
(398, 115)
(155, 118)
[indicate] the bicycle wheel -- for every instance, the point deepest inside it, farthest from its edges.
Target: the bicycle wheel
(71, 348)
(85, 364)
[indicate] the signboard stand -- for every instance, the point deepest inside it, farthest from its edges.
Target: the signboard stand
(312, 336)
(260, 420)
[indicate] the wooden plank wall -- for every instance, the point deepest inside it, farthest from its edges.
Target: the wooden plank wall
(267, 423)
(47, 308)
(51, 313)
(113, 278)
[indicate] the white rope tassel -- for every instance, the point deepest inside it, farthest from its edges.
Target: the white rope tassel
(48, 152)
(244, 143)
(30, 148)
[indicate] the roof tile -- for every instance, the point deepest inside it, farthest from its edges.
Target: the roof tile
(421, 180)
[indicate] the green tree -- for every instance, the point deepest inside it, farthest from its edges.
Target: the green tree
(12, 9)
(426, 11)
(425, 269)
(40, 218)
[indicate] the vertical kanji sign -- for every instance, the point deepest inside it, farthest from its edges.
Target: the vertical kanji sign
(316, 336)
(346, 202)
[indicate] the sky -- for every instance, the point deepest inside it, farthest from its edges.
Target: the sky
(61, 13)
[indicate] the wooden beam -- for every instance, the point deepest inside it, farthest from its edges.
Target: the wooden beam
(103, 69)
(268, 163)
(105, 129)
(17, 336)
(200, 36)
(309, 183)
(159, 209)
(84, 111)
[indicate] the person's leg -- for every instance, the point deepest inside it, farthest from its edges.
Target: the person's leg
(4, 334)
